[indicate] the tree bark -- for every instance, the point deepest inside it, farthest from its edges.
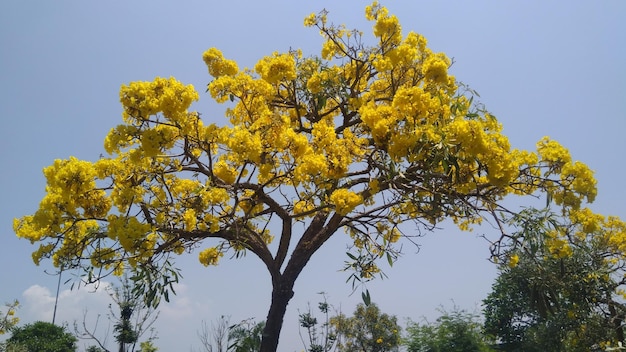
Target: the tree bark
(312, 239)
(282, 292)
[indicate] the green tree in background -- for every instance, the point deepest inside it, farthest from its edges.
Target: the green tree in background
(147, 346)
(455, 331)
(559, 301)
(132, 319)
(246, 336)
(215, 338)
(367, 330)
(43, 337)
(321, 335)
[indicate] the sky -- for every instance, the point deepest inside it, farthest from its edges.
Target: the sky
(542, 68)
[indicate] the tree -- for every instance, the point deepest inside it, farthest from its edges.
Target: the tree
(321, 337)
(456, 331)
(12, 347)
(43, 337)
(362, 139)
(133, 321)
(368, 330)
(215, 338)
(148, 346)
(246, 336)
(8, 320)
(560, 298)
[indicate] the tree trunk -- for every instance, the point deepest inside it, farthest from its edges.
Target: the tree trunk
(282, 292)
(282, 284)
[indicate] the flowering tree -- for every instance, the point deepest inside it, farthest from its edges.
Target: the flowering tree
(359, 140)
(551, 297)
(368, 330)
(8, 319)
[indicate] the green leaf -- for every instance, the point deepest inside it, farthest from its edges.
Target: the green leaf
(389, 259)
(446, 167)
(367, 299)
(351, 256)
(150, 297)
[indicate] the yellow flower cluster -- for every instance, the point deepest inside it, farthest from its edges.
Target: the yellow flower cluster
(210, 256)
(551, 151)
(558, 245)
(8, 319)
(144, 99)
(344, 200)
(436, 68)
(224, 172)
(218, 65)
(302, 206)
(129, 231)
(71, 192)
(513, 260)
(577, 181)
(277, 68)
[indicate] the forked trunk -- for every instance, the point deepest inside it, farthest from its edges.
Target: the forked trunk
(282, 284)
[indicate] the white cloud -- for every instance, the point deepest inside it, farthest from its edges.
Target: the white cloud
(38, 303)
(182, 312)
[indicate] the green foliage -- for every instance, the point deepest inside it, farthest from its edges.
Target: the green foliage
(153, 281)
(545, 302)
(245, 336)
(456, 331)
(319, 337)
(131, 316)
(125, 332)
(43, 337)
(148, 346)
(549, 304)
(8, 319)
(12, 347)
(368, 330)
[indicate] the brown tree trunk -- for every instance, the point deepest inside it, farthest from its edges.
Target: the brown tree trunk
(282, 292)
(315, 235)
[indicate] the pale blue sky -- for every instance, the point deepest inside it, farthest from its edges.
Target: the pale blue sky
(543, 68)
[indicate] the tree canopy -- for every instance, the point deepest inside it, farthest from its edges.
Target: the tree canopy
(368, 330)
(41, 336)
(359, 139)
(559, 301)
(454, 331)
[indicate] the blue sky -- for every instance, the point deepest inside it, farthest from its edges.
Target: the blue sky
(543, 68)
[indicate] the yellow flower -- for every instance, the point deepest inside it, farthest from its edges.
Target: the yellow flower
(218, 65)
(310, 20)
(225, 172)
(513, 261)
(436, 68)
(345, 201)
(276, 68)
(210, 256)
